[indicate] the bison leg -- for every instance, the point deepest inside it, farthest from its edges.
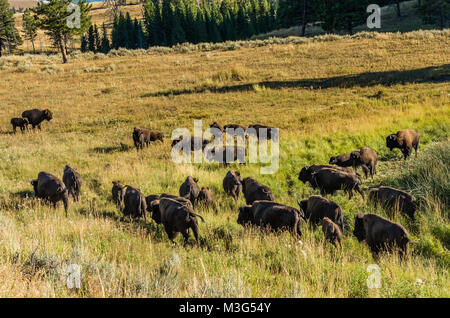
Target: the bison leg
(365, 170)
(14, 129)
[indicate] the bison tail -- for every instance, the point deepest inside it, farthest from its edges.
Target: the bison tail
(201, 217)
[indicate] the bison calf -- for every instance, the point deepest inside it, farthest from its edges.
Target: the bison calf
(22, 123)
(405, 140)
(366, 158)
(206, 196)
(72, 180)
(232, 183)
(341, 161)
(331, 231)
(381, 234)
(118, 192)
(190, 190)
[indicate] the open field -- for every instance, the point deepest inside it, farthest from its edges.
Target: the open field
(326, 97)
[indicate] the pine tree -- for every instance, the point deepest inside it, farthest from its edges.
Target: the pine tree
(30, 26)
(200, 25)
(9, 36)
(53, 16)
(435, 12)
(298, 12)
(115, 33)
(213, 21)
(177, 34)
(167, 17)
(105, 46)
(152, 23)
(91, 39)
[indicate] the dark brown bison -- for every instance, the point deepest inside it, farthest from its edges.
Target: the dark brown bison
(228, 154)
(341, 161)
(331, 231)
(153, 205)
(22, 123)
(254, 190)
(143, 137)
(36, 117)
(405, 140)
(149, 201)
(316, 208)
(272, 215)
(394, 199)
(232, 183)
(331, 180)
(50, 188)
(205, 196)
(195, 143)
(260, 131)
(306, 173)
(178, 218)
(190, 190)
(72, 180)
(233, 127)
(381, 234)
(118, 192)
(366, 158)
(134, 203)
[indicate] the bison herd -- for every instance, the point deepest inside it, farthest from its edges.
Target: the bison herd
(177, 213)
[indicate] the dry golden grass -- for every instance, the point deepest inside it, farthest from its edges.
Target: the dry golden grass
(371, 87)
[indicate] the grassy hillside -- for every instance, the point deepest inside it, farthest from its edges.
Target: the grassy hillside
(327, 97)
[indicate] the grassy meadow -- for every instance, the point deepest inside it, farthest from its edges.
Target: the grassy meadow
(327, 97)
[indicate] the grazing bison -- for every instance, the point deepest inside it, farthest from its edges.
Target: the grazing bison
(232, 183)
(394, 199)
(254, 190)
(206, 196)
(22, 123)
(143, 136)
(196, 143)
(228, 154)
(405, 140)
(118, 192)
(306, 173)
(272, 215)
(50, 188)
(341, 161)
(265, 132)
(134, 201)
(331, 231)
(316, 208)
(36, 117)
(190, 190)
(366, 158)
(331, 180)
(234, 127)
(381, 234)
(72, 180)
(178, 218)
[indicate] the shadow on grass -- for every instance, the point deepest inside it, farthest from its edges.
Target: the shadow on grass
(112, 149)
(432, 74)
(24, 194)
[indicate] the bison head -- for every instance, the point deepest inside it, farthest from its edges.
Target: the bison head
(156, 213)
(359, 232)
(34, 183)
(391, 141)
(245, 215)
(304, 174)
(47, 115)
